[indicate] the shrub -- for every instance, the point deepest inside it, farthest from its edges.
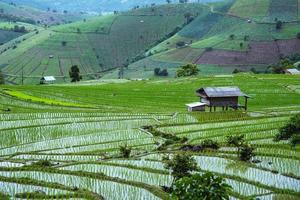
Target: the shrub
(246, 152)
(43, 163)
(181, 165)
(210, 144)
(279, 25)
(208, 49)
(180, 44)
(75, 74)
(298, 35)
(2, 80)
(64, 43)
(236, 71)
(291, 128)
(206, 186)
(125, 151)
(159, 72)
(235, 141)
(187, 70)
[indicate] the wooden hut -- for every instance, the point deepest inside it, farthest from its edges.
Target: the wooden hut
(225, 97)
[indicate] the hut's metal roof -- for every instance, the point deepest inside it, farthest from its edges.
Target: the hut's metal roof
(196, 104)
(49, 78)
(223, 92)
(293, 71)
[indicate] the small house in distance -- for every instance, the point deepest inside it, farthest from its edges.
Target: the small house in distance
(292, 71)
(47, 80)
(213, 97)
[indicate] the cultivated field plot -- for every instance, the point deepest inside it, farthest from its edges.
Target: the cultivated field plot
(82, 144)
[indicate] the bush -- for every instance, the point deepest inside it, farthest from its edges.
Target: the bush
(75, 74)
(125, 151)
(279, 25)
(187, 70)
(236, 71)
(246, 152)
(235, 141)
(208, 49)
(64, 43)
(180, 44)
(210, 144)
(294, 140)
(206, 186)
(298, 35)
(291, 128)
(2, 80)
(43, 163)
(159, 72)
(181, 165)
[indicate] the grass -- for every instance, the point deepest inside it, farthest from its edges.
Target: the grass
(92, 25)
(27, 97)
(83, 143)
(256, 9)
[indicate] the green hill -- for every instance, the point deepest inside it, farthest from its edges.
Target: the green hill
(95, 45)
(255, 41)
(14, 12)
(219, 37)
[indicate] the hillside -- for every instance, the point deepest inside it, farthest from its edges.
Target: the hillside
(64, 140)
(220, 37)
(255, 41)
(96, 45)
(92, 5)
(17, 12)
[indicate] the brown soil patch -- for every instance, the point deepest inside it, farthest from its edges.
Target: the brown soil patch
(260, 53)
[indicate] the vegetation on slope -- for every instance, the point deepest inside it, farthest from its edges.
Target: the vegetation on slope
(95, 45)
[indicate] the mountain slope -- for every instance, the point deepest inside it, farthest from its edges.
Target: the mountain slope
(92, 5)
(237, 34)
(16, 12)
(96, 45)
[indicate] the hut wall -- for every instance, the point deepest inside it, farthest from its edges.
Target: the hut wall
(224, 101)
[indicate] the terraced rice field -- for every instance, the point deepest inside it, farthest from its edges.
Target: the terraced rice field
(82, 143)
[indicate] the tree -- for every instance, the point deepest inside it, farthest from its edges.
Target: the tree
(181, 165)
(241, 45)
(279, 25)
(231, 37)
(2, 81)
(168, 1)
(125, 151)
(236, 71)
(246, 152)
(295, 139)
(63, 43)
(210, 144)
(159, 72)
(235, 141)
(246, 38)
(187, 70)
(206, 186)
(75, 74)
(189, 17)
(180, 44)
(290, 129)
